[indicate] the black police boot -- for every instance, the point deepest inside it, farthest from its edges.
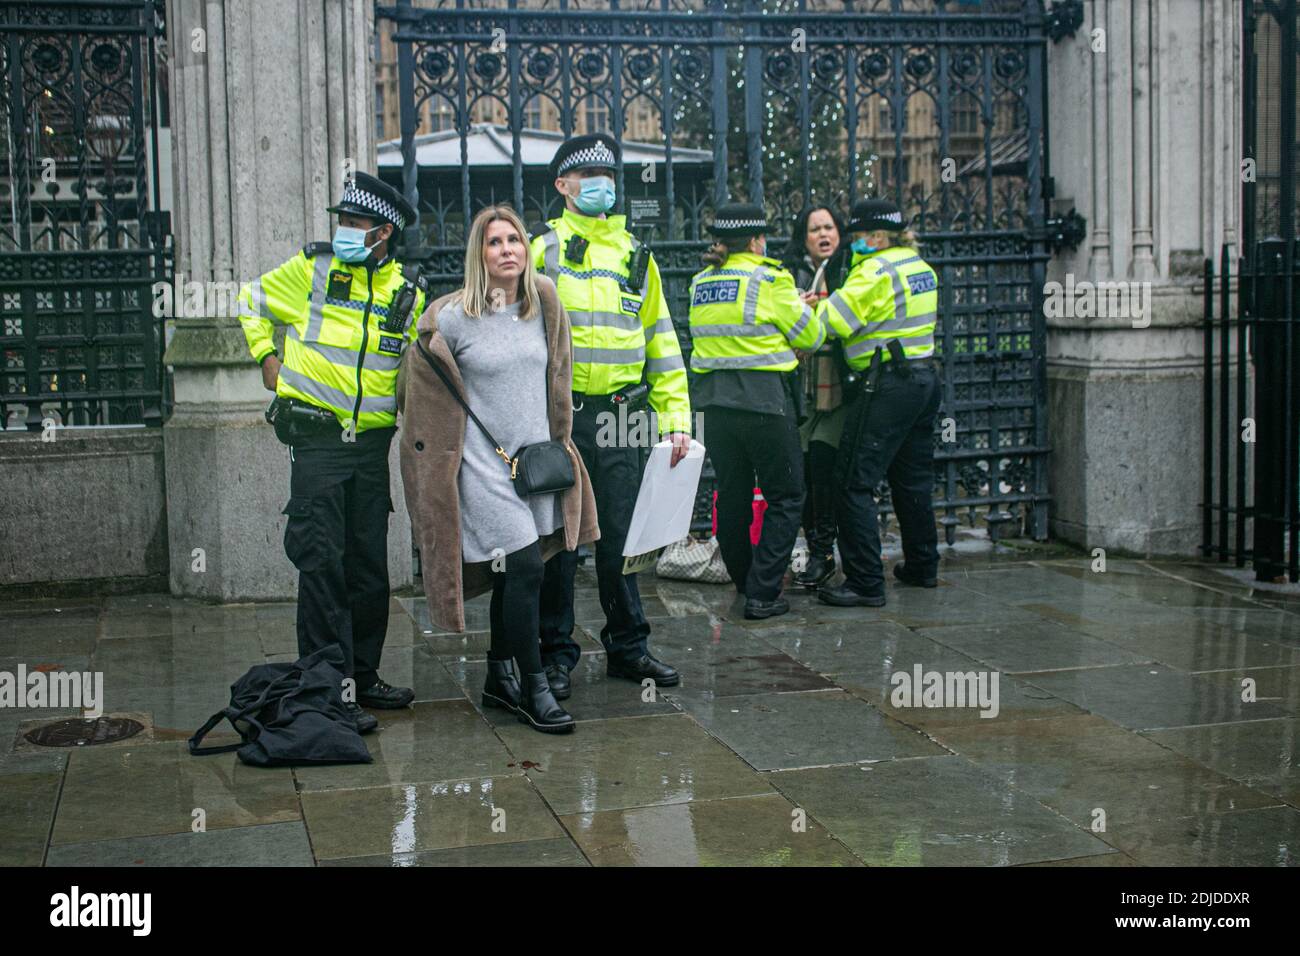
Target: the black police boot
(756, 610)
(364, 722)
(557, 675)
(845, 596)
(820, 569)
(384, 696)
(638, 669)
(538, 709)
(501, 687)
(916, 580)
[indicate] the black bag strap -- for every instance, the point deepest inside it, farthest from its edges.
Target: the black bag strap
(463, 404)
(244, 714)
(456, 395)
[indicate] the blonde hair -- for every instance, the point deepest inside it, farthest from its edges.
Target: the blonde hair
(905, 238)
(474, 296)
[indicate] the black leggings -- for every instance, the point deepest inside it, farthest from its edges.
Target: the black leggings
(516, 601)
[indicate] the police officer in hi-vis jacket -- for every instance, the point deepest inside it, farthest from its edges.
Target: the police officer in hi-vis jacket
(885, 313)
(349, 311)
(746, 321)
(623, 345)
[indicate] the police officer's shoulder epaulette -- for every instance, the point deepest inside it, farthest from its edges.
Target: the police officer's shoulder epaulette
(317, 248)
(414, 273)
(541, 230)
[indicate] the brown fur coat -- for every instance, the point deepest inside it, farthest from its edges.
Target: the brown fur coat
(432, 439)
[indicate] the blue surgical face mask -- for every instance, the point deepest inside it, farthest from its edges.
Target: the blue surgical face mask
(350, 243)
(862, 247)
(595, 196)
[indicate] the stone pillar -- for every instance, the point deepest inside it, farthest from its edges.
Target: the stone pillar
(270, 99)
(1146, 145)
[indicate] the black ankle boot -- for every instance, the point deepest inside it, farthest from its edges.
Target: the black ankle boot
(501, 688)
(538, 708)
(820, 569)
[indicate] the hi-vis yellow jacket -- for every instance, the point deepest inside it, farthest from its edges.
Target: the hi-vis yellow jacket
(618, 332)
(748, 315)
(891, 294)
(335, 354)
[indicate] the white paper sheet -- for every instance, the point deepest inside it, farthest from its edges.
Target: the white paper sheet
(666, 500)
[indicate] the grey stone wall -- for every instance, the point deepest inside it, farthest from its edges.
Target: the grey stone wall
(1145, 112)
(89, 506)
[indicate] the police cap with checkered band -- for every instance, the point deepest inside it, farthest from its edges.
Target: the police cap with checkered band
(870, 215)
(597, 150)
(369, 196)
(738, 219)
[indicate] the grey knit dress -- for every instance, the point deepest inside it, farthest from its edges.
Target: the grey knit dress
(502, 361)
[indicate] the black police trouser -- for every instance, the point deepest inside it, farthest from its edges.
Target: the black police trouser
(894, 440)
(750, 449)
(819, 503)
(337, 537)
(615, 473)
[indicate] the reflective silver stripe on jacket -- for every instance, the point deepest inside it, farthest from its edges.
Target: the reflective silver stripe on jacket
(868, 344)
(551, 255)
(334, 397)
(609, 320)
(730, 331)
(846, 312)
(662, 325)
(594, 356)
(319, 281)
(751, 295)
(741, 361)
(260, 309)
(906, 322)
(341, 355)
(797, 329)
(900, 290)
(669, 363)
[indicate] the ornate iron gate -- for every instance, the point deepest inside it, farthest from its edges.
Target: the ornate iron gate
(81, 242)
(938, 103)
(1257, 517)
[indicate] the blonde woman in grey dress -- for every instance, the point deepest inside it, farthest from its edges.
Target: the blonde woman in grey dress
(495, 331)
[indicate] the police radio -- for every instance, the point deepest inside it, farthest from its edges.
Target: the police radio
(637, 263)
(399, 310)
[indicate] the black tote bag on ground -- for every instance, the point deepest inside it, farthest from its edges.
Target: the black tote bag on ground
(289, 714)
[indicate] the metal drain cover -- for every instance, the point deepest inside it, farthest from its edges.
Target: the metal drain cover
(76, 732)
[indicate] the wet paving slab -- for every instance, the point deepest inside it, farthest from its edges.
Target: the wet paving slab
(1260, 754)
(1125, 691)
(809, 729)
(433, 741)
(1096, 775)
(1150, 696)
(153, 789)
(556, 852)
(742, 831)
(409, 818)
(933, 811)
(631, 762)
(275, 844)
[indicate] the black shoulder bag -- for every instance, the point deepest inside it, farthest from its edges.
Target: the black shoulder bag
(536, 469)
